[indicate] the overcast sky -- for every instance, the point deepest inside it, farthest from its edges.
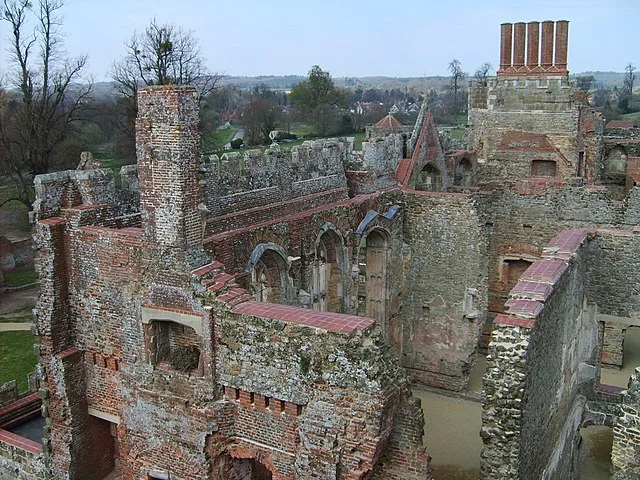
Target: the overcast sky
(352, 37)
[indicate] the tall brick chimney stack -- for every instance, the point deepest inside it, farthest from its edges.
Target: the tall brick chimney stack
(562, 41)
(506, 40)
(167, 151)
(546, 57)
(519, 39)
(533, 42)
(548, 60)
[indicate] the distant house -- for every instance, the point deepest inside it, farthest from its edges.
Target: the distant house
(389, 121)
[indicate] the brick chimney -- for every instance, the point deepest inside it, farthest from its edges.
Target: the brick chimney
(167, 151)
(550, 59)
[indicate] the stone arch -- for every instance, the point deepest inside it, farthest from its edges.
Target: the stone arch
(373, 284)
(329, 270)
(463, 173)
(269, 268)
(429, 179)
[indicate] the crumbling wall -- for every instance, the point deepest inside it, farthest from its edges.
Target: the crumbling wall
(614, 273)
(540, 372)
(340, 390)
(445, 288)
(527, 120)
(522, 216)
(256, 179)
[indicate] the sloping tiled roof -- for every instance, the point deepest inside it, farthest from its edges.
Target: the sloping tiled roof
(620, 124)
(388, 122)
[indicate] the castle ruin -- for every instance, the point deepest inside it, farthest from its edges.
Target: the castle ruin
(264, 316)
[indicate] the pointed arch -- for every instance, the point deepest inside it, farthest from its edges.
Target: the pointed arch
(329, 270)
(429, 179)
(269, 268)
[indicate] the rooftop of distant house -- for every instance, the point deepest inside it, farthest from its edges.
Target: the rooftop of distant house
(621, 124)
(388, 122)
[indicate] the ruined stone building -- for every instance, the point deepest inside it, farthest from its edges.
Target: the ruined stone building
(264, 316)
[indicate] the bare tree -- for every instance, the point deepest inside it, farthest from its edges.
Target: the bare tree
(483, 71)
(163, 54)
(37, 120)
(629, 79)
(457, 76)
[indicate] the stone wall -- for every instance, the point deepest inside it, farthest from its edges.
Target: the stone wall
(256, 179)
(347, 388)
(540, 373)
(522, 216)
(625, 454)
(20, 458)
(538, 369)
(445, 287)
(529, 120)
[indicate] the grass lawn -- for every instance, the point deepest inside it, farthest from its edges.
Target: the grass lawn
(113, 163)
(16, 357)
(20, 277)
(457, 133)
(632, 116)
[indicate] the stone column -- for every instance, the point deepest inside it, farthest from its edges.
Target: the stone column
(519, 39)
(562, 40)
(533, 41)
(506, 31)
(546, 58)
(167, 150)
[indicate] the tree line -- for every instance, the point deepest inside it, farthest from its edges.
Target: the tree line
(49, 111)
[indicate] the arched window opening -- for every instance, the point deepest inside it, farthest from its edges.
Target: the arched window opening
(269, 278)
(429, 179)
(328, 288)
(463, 173)
(373, 282)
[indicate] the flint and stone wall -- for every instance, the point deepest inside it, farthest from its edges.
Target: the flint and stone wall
(625, 453)
(329, 404)
(539, 372)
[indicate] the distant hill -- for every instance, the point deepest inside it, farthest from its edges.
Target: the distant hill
(419, 84)
(286, 82)
(606, 79)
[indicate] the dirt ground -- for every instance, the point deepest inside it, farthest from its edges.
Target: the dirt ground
(17, 301)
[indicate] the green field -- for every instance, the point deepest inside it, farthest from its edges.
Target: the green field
(633, 116)
(20, 277)
(16, 357)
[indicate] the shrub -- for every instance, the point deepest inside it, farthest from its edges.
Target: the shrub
(237, 143)
(185, 359)
(285, 136)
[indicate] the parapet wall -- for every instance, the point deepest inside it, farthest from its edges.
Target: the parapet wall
(546, 94)
(237, 182)
(94, 187)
